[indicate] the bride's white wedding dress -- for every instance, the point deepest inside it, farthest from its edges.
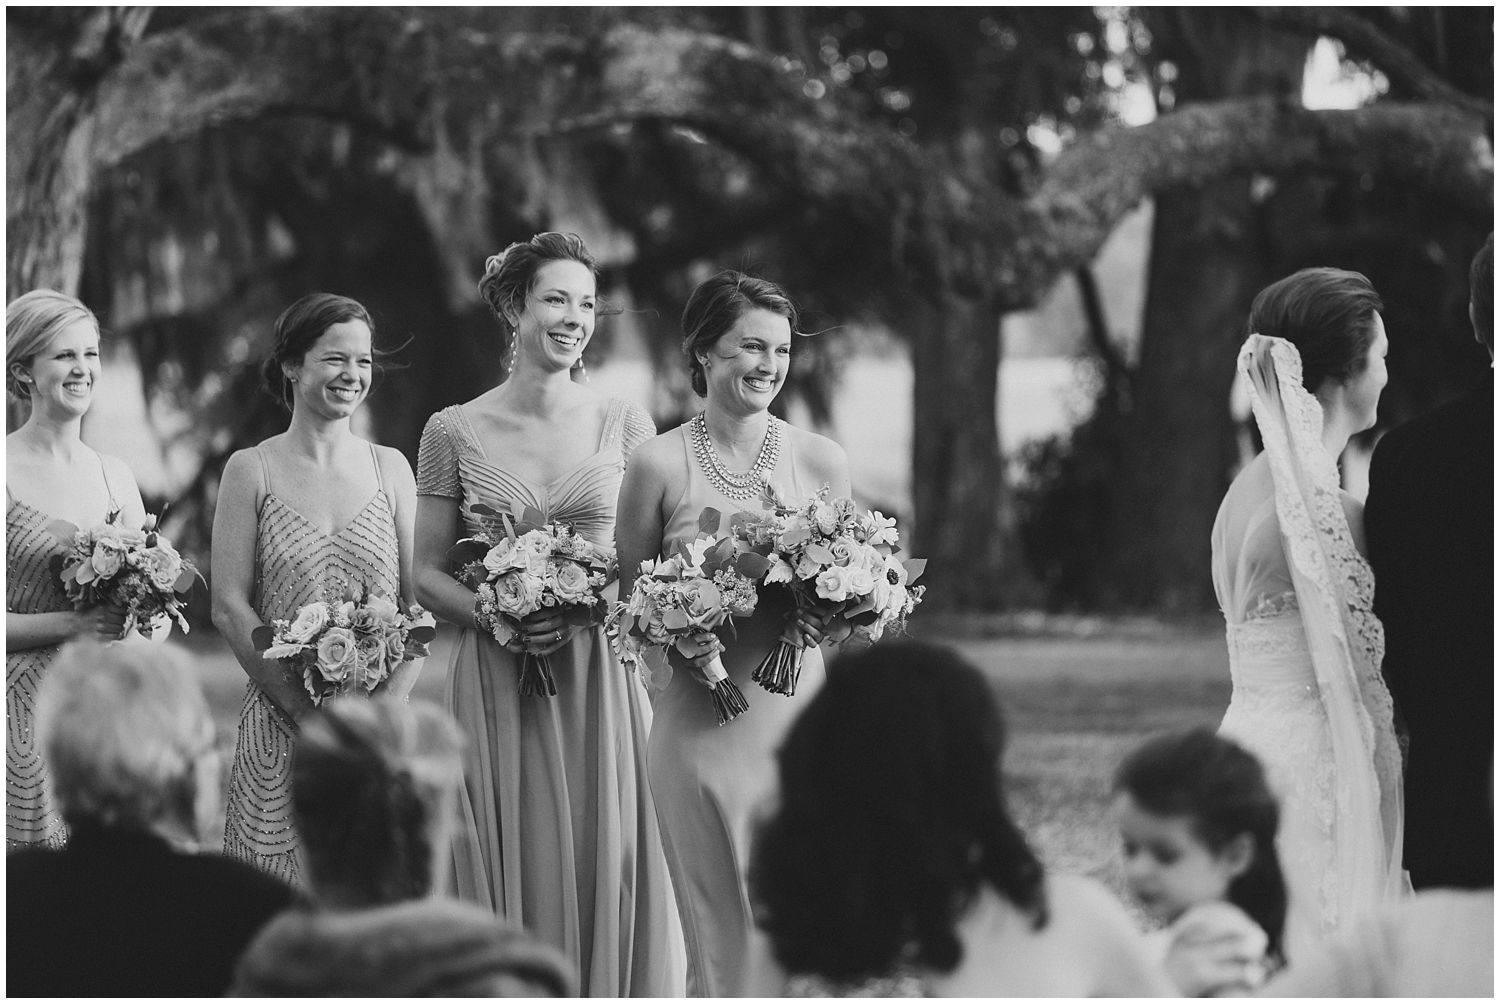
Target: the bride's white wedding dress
(1304, 654)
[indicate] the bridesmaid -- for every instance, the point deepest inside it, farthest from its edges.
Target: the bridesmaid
(708, 780)
(560, 834)
(301, 516)
(52, 363)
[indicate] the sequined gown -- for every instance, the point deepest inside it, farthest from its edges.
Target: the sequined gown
(295, 563)
(32, 586)
(711, 782)
(559, 832)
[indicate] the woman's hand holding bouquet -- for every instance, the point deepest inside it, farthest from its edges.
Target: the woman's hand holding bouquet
(678, 602)
(535, 584)
(136, 574)
(841, 567)
(348, 647)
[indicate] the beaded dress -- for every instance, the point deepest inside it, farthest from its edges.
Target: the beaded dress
(295, 563)
(711, 782)
(32, 586)
(1304, 655)
(558, 832)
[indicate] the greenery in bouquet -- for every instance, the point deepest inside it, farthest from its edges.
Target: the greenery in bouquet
(519, 565)
(137, 571)
(700, 587)
(840, 564)
(351, 646)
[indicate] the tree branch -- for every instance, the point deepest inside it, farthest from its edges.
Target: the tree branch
(1362, 38)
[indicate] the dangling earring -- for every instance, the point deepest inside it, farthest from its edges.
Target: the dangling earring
(580, 373)
(508, 361)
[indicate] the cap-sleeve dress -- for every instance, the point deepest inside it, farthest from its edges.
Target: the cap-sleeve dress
(559, 830)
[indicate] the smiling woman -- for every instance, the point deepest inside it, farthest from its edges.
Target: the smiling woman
(52, 479)
(303, 517)
(561, 834)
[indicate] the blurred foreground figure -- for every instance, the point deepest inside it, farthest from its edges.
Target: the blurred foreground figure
(374, 796)
(1431, 524)
(1439, 943)
(126, 909)
(892, 858)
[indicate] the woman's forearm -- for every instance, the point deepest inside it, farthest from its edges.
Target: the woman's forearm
(282, 686)
(23, 631)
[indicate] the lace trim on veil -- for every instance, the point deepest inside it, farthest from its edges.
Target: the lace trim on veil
(1336, 589)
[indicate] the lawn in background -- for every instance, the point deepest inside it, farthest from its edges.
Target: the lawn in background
(1076, 698)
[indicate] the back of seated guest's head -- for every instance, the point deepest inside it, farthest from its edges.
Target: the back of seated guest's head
(891, 818)
(1482, 294)
(374, 787)
(126, 735)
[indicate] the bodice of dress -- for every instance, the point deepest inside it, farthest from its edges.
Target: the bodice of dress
(791, 484)
(453, 464)
(298, 563)
(32, 586)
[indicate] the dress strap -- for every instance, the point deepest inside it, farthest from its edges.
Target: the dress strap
(614, 423)
(379, 475)
(265, 468)
(114, 505)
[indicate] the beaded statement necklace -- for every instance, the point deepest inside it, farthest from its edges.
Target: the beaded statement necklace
(739, 487)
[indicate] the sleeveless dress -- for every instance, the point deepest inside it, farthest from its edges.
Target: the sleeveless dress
(712, 782)
(1304, 657)
(296, 563)
(32, 586)
(558, 830)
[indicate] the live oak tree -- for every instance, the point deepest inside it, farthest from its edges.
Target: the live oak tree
(476, 105)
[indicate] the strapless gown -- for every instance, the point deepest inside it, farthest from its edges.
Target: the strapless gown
(559, 833)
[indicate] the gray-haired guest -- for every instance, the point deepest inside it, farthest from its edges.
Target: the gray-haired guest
(127, 908)
(375, 796)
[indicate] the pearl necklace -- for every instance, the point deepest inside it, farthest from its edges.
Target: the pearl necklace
(738, 487)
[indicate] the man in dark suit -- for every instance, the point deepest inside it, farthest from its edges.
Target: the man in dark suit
(123, 910)
(1430, 521)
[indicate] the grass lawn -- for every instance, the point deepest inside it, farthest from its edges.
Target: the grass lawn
(1075, 702)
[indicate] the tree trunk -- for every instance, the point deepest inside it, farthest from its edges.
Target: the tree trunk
(964, 521)
(55, 60)
(1208, 259)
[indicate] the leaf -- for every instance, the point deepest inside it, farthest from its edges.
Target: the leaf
(914, 568)
(817, 552)
(722, 551)
(482, 510)
(675, 620)
(185, 580)
(752, 566)
(421, 634)
(262, 637)
(532, 515)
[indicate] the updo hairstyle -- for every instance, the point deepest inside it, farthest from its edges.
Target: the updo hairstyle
(716, 305)
(298, 329)
(32, 320)
(370, 779)
(1328, 314)
(509, 275)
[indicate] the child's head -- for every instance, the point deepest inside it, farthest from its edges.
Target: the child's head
(1198, 821)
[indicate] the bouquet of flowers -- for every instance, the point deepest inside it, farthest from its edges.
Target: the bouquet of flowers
(348, 647)
(705, 583)
(137, 570)
(839, 563)
(521, 564)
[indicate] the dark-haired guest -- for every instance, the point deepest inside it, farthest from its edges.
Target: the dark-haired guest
(374, 789)
(126, 909)
(560, 832)
(707, 780)
(302, 517)
(1198, 826)
(892, 851)
(1430, 517)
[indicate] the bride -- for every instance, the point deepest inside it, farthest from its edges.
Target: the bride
(1304, 647)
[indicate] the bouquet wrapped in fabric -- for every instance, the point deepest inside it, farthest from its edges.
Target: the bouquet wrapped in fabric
(839, 563)
(703, 585)
(348, 647)
(521, 564)
(138, 571)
